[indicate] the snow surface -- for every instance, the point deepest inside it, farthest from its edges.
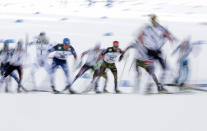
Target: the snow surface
(42, 112)
(85, 26)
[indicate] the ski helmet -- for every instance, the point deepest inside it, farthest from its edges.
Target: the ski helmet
(66, 41)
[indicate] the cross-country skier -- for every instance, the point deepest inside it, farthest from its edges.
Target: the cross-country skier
(61, 52)
(3, 60)
(90, 62)
(143, 60)
(110, 56)
(42, 45)
(4, 57)
(15, 62)
(153, 36)
(184, 50)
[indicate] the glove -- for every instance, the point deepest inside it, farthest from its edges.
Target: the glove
(121, 57)
(95, 66)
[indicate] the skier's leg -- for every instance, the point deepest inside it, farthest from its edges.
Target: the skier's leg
(20, 72)
(2, 78)
(34, 68)
(95, 75)
(102, 72)
(105, 83)
(180, 72)
(14, 76)
(52, 71)
(139, 74)
(47, 67)
(66, 72)
(4, 67)
(185, 72)
(8, 70)
(144, 65)
(98, 72)
(83, 69)
(114, 72)
(164, 68)
(95, 79)
(96, 84)
(3, 70)
(149, 67)
(157, 55)
(7, 84)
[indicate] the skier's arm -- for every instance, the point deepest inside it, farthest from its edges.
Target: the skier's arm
(122, 55)
(54, 48)
(168, 35)
(84, 53)
(101, 55)
(74, 53)
(95, 66)
(129, 47)
(132, 45)
(140, 37)
(178, 47)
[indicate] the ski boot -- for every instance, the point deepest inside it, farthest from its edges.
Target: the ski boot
(18, 90)
(161, 89)
(68, 87)
(149, 88)
(182, 84)
(117, 91)
(54, 90)
(6, 90)
(98, 92)
(106, 91)
(22, 87)
(96, 89)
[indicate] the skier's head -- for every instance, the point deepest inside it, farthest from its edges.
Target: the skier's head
(115, 45)
(6, 47)
(97, 46)
(19, 45)
(42, 34)
(186, 43)
(66, 43)
(42, 38)
(153, 19)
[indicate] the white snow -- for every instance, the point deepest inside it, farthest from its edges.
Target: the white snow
(85, 26)
(33, 112)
